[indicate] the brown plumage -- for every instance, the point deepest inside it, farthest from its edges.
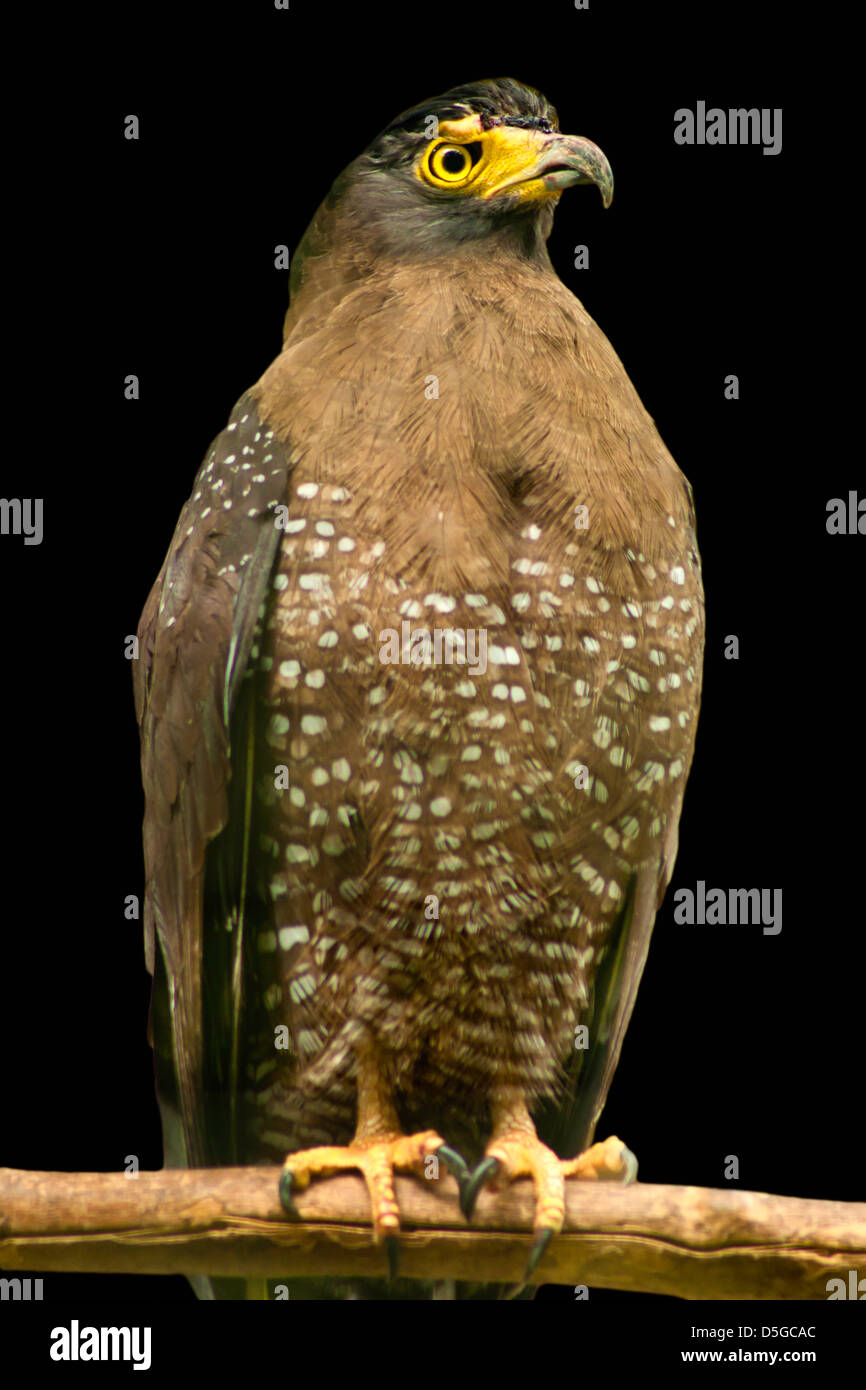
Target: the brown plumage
(421, 866)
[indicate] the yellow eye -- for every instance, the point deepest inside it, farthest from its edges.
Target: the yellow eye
(451, 163)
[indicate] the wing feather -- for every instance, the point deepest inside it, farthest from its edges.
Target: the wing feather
(196, 638)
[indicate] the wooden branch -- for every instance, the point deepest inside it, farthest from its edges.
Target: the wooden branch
(692, 1242)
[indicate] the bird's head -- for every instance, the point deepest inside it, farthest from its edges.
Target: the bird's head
(483, 159)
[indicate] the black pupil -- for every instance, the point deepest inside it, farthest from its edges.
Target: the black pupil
(454, 161)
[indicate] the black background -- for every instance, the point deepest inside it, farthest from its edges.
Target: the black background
(156, 258)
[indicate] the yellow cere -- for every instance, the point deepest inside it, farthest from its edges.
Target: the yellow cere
(465, 158)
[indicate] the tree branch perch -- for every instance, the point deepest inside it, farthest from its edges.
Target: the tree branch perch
(691, 1242)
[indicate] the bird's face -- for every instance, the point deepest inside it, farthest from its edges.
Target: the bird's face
(509, 166)
(481, 159)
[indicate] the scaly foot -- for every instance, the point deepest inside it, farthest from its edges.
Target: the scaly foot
(377, 1158)
(517, 1152)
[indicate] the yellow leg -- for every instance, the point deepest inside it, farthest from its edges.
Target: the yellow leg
(515, 1151)
(378, 1150)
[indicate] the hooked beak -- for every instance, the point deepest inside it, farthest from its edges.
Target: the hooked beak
(558, 162)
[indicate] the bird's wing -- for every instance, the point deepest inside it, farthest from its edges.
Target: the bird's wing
(568, 1125)
(194, 710)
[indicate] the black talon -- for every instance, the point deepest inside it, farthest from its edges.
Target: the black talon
(470, 1189)
(392, 1250)
(454, 1163)
(543, 1238)
(287, 1186)
(536, 1254)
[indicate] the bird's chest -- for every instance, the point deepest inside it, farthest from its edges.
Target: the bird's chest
(430, 705)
